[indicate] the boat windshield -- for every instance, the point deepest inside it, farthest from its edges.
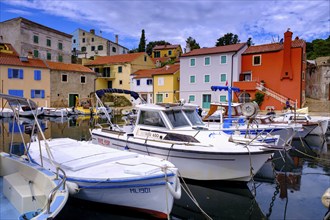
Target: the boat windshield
(177, 118)
(151, 118)
(193, 117)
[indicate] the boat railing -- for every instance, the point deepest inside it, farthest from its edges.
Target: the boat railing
(52, 193)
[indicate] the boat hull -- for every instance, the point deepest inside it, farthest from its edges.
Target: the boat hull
(198, 165)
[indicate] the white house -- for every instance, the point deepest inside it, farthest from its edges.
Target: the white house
(142, 83)
(202, 68)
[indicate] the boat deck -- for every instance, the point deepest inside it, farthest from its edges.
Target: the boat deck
(7, 210)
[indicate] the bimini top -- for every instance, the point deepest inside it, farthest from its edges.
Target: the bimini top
(18, 101)
(101, 92)
(225, 88)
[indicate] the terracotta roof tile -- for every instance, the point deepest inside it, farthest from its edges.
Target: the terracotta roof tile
(272, 47)
(160, 59)
(14, 60)
(165, 47)
(122, 58)
(148, 73)
(68, 67)
(214, 50)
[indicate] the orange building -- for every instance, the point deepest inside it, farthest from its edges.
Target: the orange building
(277, 70)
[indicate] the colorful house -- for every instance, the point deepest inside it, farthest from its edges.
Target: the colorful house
(166, 84)
(172, 51)
(202, 68)
(115, 71)
(142, 83)
(276, 70)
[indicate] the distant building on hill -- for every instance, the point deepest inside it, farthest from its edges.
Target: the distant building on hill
(32, 39)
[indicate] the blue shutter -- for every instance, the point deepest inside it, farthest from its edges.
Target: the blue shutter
(39, 74)
(32, 93)
(21, 74)
(10, 73)
(43, 94)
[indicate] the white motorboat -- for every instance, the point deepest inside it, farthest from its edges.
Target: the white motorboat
(6, 113)
(101, 174)
(28, 111)
(164, 130)
(316, 126)
(55, 112)
(27, 190)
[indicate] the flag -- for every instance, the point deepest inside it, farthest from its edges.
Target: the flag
(227, 83)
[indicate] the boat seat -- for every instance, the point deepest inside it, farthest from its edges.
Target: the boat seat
(18, 191)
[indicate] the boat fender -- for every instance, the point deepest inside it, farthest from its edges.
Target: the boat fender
(73, 187)
(326, 198)
(176, 193)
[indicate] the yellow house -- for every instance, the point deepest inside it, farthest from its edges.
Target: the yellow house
(166, 84)
(23, 76)
(115, 71)
(172, 51)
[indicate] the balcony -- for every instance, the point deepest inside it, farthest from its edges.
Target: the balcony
(246, 85)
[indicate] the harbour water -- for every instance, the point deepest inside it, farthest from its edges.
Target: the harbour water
(289, 187)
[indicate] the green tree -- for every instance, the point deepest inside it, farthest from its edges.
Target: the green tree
(192, 43)
(142, 44)
(227, 39)
(152, 44)
(259, 98)
(318, 48)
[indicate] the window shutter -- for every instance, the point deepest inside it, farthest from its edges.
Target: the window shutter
(10, 73)
(43, 94)
(21, 74)
(32, 93)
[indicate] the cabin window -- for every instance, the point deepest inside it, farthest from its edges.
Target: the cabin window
(256, 60)
(193, 117)
(151, 118)
(177, 118)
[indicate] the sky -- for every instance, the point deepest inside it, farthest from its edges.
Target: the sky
(265, 21)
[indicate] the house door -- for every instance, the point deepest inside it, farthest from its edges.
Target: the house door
(110, 84)
(206, 101)
(72, 99)
(159, 98)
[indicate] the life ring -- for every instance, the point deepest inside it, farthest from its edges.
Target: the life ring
(176, 193)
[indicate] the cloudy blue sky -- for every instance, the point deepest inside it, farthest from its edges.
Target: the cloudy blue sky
(175, 20)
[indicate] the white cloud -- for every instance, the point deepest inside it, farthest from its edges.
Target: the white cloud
(206, 21)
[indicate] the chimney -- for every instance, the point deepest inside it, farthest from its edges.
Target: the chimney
(116, 36)
(187, 48)
(287, 67)
(92, 31)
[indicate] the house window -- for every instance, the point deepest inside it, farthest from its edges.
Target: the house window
(244, 97)
(114, 49)
(100, 47)
(170, 52)
(48, 43)
(145, 58)
(15, 73)
(191, 98)
(37, 75)
(206, 101)
(82, 79)
(193, 62)
(223, 77)
(166, 95)
(207, 78)
(223, 59)
(64, 78)
(37, 93)
(156, 54)
(14, 92)
(120, 82)
(138, 82)
(60, 45)
(223, 98)
(60, 58)
(106, 72)
(192, 79)
(83, 33)
(83, 49)
(159, 98)
(120, 69)
(207, 61)
(83, 40)
(92, 39)
(256, 60)
(161, 81)
(36, 53)
(49, 56)
(149, 81)
(74, 41)
(92, 48)
(36, 39)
